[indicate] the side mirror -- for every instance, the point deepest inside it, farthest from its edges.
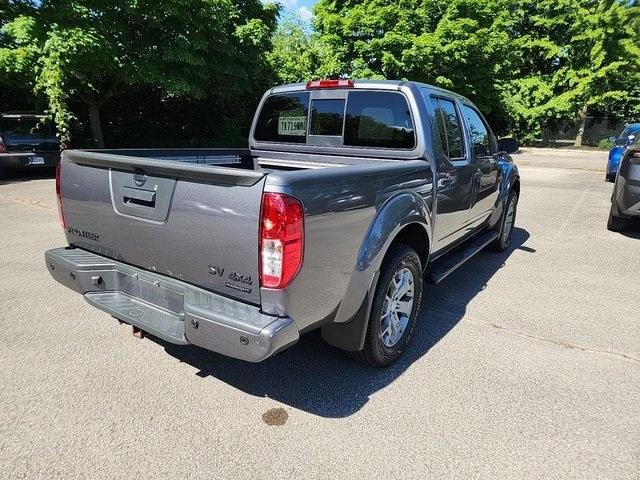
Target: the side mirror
(622, 142)
(508, 145)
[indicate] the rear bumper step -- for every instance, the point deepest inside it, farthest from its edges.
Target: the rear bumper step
(170, 309)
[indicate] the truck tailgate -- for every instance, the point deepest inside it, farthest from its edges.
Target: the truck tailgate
(197, 223)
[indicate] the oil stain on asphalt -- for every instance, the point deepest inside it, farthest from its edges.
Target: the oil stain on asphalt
(275, 417)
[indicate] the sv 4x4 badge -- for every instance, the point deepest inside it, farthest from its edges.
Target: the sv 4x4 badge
(234, 276)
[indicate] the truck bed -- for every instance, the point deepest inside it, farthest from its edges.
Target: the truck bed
(194, 214)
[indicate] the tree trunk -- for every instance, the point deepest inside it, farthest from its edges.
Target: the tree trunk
(96, 125)
(583, 125)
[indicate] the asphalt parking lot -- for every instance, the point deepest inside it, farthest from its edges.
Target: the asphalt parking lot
(524, 364)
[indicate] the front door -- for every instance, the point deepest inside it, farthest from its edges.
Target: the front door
(486, 170)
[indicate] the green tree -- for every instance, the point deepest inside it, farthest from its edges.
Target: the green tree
(91, 50)
(527, 63)
(576, 58)
(457, 44)
(298, 53)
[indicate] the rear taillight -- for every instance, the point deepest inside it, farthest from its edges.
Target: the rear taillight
(329, 84)
(58, 195)
(3, 147)
(281, 239)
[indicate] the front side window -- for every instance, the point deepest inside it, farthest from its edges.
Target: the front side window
(283, 118)
(478, 131)
(379, 120)
(449, 128)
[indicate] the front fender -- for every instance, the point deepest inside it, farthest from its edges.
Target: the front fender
(615, 155)
(509, 175)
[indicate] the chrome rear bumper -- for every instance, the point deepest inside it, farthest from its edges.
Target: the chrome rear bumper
(170, 309)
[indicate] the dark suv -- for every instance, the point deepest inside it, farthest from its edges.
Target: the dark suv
(625, 199)
(27, 141)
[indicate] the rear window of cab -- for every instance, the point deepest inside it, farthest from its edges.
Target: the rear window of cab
(366, 119)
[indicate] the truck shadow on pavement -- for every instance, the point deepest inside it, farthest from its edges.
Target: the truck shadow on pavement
(314, 377)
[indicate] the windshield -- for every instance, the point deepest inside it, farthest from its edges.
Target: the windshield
(26, 126)
(631, 130)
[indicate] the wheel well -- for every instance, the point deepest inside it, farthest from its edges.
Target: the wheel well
(415, 236)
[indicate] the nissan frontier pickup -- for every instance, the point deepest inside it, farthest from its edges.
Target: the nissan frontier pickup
(350, 196)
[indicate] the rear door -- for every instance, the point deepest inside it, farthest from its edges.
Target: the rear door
(486, 174)
(455, 172)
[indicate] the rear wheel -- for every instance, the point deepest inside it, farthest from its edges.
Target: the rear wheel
(610, 177)
(395, 307)
(507, 222)
(615, 223)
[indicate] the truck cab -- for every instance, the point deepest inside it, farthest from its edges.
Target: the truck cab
(402, 121)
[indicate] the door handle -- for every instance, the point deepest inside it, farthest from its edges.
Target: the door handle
(145, 198)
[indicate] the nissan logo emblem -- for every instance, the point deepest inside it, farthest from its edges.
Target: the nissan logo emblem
(139, 177)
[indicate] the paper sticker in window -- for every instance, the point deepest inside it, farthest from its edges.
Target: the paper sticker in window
(296, 126)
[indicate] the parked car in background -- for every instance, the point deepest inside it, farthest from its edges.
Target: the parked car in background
(27, 141)
(351, 193)
(628, 135)
(625, 199)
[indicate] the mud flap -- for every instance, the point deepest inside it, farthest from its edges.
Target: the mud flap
(350, 335)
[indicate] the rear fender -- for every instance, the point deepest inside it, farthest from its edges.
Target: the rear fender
(350, 324)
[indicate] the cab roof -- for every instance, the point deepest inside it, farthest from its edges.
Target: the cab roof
(373, 84)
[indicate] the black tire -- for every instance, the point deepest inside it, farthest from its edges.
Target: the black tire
(501, 243)
(375, 352)
(615, 223)
(610, 177)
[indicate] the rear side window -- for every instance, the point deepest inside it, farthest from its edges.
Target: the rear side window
(327, 117)
(449, 128)
(283, 118)
(478, 131)
(378, 119)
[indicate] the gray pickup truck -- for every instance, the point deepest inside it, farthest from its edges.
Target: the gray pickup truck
(350, 195)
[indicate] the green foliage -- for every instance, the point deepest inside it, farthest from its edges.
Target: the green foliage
(181, 70)
(298, 54)
(577, 57)
(459, 44)
(92, 50)
(527, 63)
(605, 144)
